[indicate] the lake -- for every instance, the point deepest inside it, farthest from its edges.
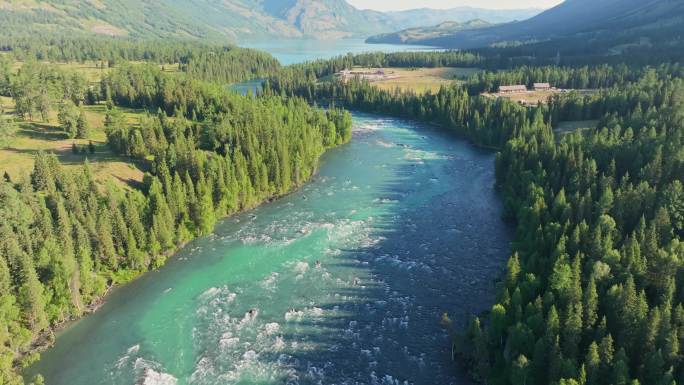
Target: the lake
(291, 51)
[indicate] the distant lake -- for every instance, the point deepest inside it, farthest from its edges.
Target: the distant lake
(291, 51)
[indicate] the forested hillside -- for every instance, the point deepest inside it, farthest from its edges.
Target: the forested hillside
(604, 28)
(592, 291)
(418, 34)
(65, 238)
(232, 19)
(202, 61)
(188, 19)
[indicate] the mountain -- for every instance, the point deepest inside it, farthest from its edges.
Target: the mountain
(418, 34)
(219, 19)
(185, 18)
(422, 17)
(572, 17)
(327, 18)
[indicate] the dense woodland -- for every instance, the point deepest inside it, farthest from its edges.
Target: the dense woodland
(593, 290)
(64, 239)
(654, 44)
(593, 293)
(320, 69)
(574, 78)
(201, 61)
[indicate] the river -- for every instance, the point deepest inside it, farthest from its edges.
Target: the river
(342, 282)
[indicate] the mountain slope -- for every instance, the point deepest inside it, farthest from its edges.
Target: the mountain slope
(418, 34)
(570, 17)
(235, 19)
(141, 19)
(423, 17)
(327, 18)
(216, 19)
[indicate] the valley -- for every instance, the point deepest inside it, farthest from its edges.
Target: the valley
(419, 80)
(487, 196)
(236, 20)
(318, 286)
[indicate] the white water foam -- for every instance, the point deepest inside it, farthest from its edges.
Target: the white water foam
(131, 352)
(140, 370)
(269, 283)
(384, 144)
(419, 156)
(271, 328)
(301, 267)
(367, 128)
(210, 292)
(152, 377)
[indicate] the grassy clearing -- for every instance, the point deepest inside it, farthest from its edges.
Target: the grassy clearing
(533, 98)
(95, 71)
(564, 128)
(33, 136)
(526, 98)
(570, 126)
(90, 69)
(419, 80)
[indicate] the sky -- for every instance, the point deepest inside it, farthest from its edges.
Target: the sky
(395, 5)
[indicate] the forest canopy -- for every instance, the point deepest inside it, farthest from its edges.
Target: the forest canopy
(65, 238)
(592, 292)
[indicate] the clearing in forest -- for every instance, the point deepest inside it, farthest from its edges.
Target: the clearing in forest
(32, 136)
(571, 126)
(533, 97)
(419, 80)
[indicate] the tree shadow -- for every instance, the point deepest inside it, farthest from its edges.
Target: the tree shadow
(101, 155)
(130, 182)
(435, 255)
(41, 131)
(430, 251)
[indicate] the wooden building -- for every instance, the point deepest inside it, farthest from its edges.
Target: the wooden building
(542, 86)
(512, 89)
(347, 75)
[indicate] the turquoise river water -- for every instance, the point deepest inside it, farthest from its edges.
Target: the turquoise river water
(342, 282)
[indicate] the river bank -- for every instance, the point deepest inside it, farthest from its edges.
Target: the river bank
(343, 280)
(45, 339)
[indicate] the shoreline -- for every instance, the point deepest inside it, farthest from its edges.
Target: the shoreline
(47, 338)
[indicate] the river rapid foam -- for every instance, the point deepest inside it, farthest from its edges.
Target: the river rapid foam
(343, 282)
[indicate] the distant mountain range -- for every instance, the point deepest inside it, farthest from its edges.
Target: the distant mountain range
(423, 17)
(418, 35)
(571, 18)
(220, 19)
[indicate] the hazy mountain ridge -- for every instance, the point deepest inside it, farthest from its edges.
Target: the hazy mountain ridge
(328, 18)
(418, 34)
(569, 18)
(423, 17)
(220, 19)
